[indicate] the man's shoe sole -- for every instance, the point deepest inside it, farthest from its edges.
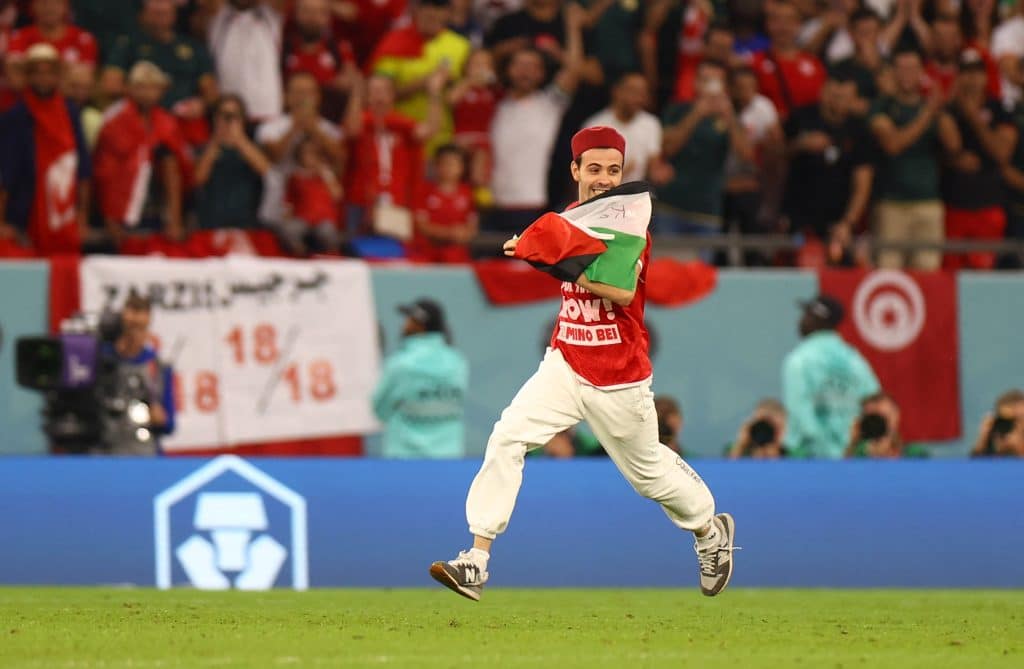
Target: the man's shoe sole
(730, 528)
(441, 575)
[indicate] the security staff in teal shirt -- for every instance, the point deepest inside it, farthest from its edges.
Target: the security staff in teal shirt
(824, 380)
(421, 394)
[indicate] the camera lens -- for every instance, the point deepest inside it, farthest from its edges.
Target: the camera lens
(1003, 426)
(873, 426)
(762, 432)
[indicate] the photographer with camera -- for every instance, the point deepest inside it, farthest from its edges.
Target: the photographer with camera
(876, 431)
(760, 436)
(141, 383)
(1001, 433)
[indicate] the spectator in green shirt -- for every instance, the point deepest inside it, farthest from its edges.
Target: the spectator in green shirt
(229, 172)
(106, 20)
(696, 142)
(185, 60)
(876, 431)
(912, 133)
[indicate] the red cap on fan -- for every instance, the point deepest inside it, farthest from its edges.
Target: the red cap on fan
(598, 137)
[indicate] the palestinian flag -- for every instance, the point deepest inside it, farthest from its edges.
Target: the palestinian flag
(603, 237)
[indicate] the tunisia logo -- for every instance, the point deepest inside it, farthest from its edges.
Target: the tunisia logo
(888, 310)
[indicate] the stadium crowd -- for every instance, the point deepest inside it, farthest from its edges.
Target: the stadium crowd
(403, 128)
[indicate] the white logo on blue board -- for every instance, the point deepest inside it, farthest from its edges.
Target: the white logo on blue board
(230, 525)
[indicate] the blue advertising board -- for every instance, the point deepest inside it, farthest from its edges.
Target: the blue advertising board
(230, 523)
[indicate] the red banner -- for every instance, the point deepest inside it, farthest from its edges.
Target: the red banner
(905, 325)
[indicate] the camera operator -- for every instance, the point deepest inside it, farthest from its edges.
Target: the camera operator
(876, 431)
(1001, 433)
(143, 385)
(760, 436)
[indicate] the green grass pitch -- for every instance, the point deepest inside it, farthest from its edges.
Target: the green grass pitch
(85, 627)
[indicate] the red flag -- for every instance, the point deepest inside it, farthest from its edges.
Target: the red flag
(905, 325)
(559, 248)
(670, 283)
(508, 282)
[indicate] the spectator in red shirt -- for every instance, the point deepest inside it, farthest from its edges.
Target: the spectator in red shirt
(142, 163)
(312, 196)
(311, 48)
(474, 100)
(786, 75)
(44, 165)
(445, 220)
(51, 27)
(365, 22)
(386, 152)
(947, 45)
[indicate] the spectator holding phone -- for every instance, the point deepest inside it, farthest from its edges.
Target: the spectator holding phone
(876, 432)
(760, 436)
(1001, 433)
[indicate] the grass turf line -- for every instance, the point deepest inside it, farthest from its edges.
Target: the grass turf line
(93, 627)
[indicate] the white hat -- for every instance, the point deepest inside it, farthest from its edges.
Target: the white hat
(42, 52)
(145, 72)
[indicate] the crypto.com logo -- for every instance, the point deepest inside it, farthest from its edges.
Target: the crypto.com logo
(232, 539)
(888, 310)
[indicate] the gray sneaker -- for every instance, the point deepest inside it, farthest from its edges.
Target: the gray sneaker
(716, 560)
(462, 575)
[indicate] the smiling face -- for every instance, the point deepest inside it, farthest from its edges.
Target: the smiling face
(597, 171)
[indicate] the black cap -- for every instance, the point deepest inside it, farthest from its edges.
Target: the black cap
(427, 313)
(971, 59)
(825, 308)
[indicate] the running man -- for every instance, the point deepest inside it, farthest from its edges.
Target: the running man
(609, 386)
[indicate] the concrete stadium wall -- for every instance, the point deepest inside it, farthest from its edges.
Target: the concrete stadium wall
(718, 356)
(375, 523)
(23, 312)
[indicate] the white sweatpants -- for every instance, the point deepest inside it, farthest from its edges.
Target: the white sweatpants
(623, 420)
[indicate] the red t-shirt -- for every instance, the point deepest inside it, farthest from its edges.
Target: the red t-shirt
(691, 50)
(604, 343)
(473, 114)
(75, 46)
(310, 198)
(803, 73)
(443, 208)
(945, 75)
(373, 20)
(386, 159)
(322, 61)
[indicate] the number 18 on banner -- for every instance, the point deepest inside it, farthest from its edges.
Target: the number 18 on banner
(313, 380)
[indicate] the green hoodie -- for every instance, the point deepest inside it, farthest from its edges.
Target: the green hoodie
(420, 399)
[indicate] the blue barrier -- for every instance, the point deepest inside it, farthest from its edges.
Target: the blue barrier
(373, 523)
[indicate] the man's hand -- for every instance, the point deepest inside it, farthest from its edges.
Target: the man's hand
(189, 108)
(967, 161)
(7, 231)
(157, 415)
(814, 142)
(660, 172)
(436, 81)
(509, 247)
